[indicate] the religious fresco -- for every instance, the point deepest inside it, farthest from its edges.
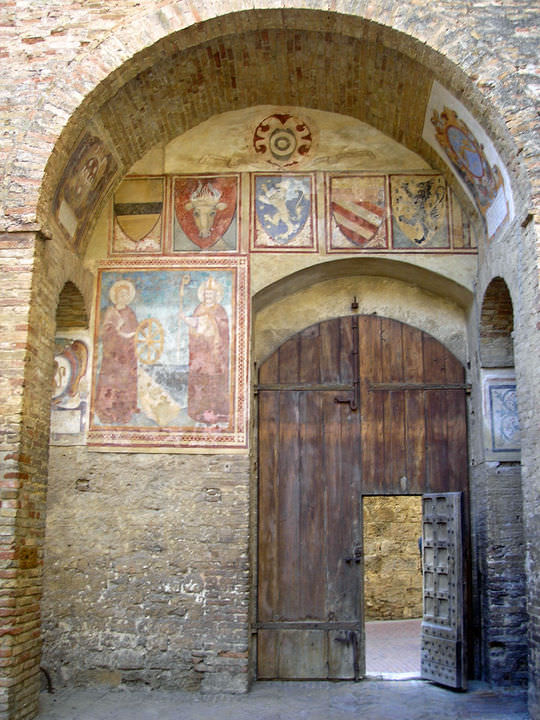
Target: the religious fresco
(86, 176)
(170, 367)
(282, 140)
(462, 143)
(357, 210)
(501, 420)
(419, 211)
(205, 213)
(70, 392)
(283, 212)
(138, 216)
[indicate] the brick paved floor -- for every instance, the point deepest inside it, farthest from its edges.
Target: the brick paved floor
(393, 647)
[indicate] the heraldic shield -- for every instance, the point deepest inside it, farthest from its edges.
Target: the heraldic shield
(283, 205)
(358, 207)
(205, 207)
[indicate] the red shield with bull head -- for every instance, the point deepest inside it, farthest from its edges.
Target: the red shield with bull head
(205, 207)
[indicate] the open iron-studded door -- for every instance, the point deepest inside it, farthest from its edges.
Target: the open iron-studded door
(443, 636)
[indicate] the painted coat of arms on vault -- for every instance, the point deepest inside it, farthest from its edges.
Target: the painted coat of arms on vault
(468, 158)
(205, 213)
(283, 208)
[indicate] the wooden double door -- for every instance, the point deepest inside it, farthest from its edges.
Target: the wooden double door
(354, 406)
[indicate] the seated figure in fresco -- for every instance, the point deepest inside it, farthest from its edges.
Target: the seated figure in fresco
(116, 393)
(208, 379)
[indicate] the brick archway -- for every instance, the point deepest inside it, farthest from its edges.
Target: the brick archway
(81, 91)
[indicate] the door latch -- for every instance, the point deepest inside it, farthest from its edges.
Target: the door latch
(356, 557)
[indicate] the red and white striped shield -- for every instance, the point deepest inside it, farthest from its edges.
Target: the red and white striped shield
(358, 208)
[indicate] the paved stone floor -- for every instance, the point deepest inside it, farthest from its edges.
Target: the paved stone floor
(393, 647)
(366, 700)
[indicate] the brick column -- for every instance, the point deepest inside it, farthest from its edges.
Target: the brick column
(26, 337)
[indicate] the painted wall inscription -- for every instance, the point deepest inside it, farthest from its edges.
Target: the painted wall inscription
(170, 368)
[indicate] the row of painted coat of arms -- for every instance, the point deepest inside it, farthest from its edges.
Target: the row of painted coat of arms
(288, 212)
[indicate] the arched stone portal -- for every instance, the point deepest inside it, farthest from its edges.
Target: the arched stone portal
(131, 93)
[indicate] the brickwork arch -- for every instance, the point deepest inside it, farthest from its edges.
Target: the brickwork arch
(496, 326)
(95, 72)
(71, 311)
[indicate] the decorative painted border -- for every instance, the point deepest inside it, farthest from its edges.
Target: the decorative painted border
(185, 439)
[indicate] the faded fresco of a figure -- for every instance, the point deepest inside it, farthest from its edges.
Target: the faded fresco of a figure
(116, 394)
(208, 382)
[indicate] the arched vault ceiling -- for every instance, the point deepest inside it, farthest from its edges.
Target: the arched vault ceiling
(361, 78)
(314, 59)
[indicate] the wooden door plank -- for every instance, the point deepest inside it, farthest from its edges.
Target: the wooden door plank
(330, 345)
(394, 405)
(337, 533)
(346, 372)
(415, 422)
(313, 531)
(267, 654)
(269, 370)
(302, 655)
(435, 362)
(268, 557)
(288, 521)
(289, 358)
(309, 355)
(371, 405)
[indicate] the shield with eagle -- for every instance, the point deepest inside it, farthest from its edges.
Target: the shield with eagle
(205, 207)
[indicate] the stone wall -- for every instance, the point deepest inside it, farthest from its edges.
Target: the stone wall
(393, 565)
(147, 570)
